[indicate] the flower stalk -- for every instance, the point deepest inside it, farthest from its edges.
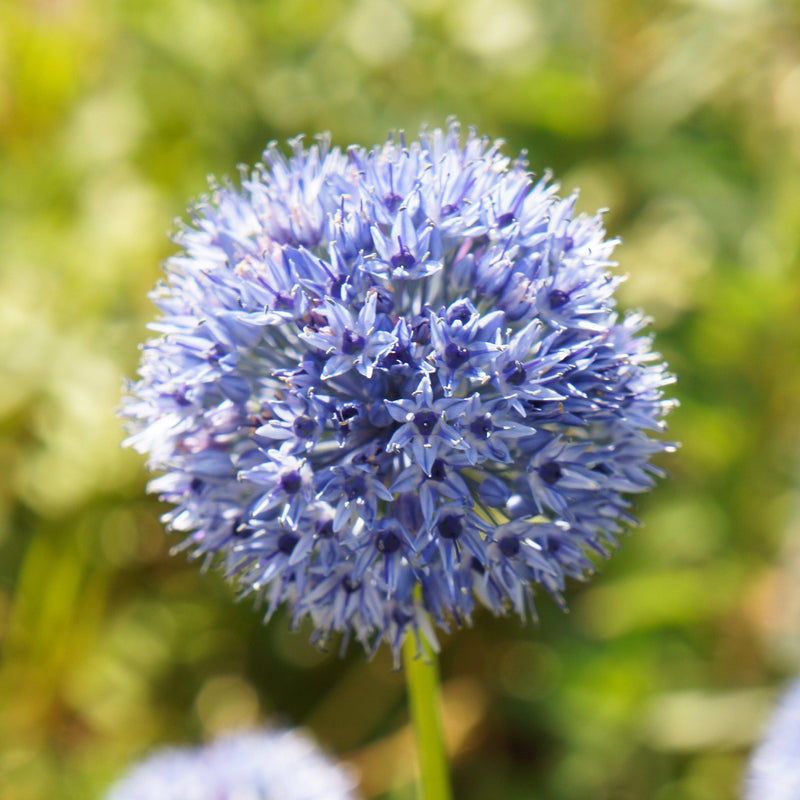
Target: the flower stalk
(424, 699)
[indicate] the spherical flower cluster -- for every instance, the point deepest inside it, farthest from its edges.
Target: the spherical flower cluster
(268, 765)
(774, 769)
(391, 383)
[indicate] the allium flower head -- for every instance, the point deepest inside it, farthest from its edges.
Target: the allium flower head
(269, 765)
(774, 769)
(390, 383)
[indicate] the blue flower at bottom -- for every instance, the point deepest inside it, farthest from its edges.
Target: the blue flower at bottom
(390, 384)
(267, 765)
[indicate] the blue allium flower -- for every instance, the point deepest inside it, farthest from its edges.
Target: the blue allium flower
(774, 769)
(391, 383)
(268, 765)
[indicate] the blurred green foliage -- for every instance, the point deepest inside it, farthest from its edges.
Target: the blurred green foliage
(681, 116)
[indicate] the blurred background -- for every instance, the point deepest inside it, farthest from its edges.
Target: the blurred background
(681, 116)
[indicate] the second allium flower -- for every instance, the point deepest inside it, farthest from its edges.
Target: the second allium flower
(256, 765)
(390, 383)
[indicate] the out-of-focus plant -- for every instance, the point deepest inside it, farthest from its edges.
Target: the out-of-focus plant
(258, 765)
(774, 769)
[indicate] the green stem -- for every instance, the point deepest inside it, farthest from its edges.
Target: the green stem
(422, 680)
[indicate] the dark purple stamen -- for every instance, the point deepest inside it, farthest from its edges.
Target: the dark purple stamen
(401, 617)
(425, 422)
(387, 542)
(459, 311)
(450, 526)
(476, 565)
(455, 355)
(313, 321)
(557, 298)
(291, 482)
(287, 542)
(352, 342)
(303, 427)
(505, 219)
(515, 373)
(354, 486)
(449, 209)
(509, 546)
(398, 356)
(550, 472)
(403, 258)
(196, 485)
(482, 427)
(347, 412)
(392, 201)
(283, 301)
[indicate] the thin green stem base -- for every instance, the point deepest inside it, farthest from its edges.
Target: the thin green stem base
(422, 680)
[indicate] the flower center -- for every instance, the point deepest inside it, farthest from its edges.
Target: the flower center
(459, 311)
(354, 486)
(403, 258)
(352, 343)
(303, 427)
(397, 356)
(387, 542)
(401, 617)
(557, 298)
(391, 201)
(505, 219)
(455, 355)
(287, 542)
(425, 422)
(344, 414)
(291, 482)
(482, 427)
(550, 472)
(283, 301)
(509, 546)
(450, 526)
(515, 373)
